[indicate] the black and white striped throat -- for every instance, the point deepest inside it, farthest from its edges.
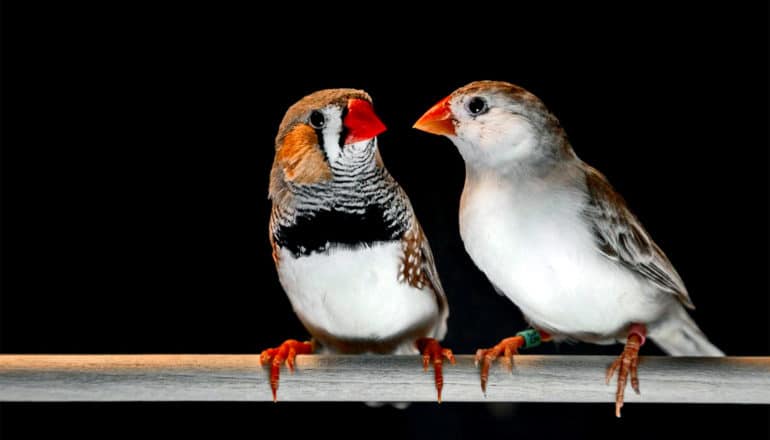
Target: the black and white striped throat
(360, 206)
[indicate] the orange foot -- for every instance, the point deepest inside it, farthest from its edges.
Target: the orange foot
(626, 363)
(276, 356)
(433, 352)
(508, 347)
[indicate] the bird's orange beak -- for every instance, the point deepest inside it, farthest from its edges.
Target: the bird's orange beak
(437, 120)
(361, 122)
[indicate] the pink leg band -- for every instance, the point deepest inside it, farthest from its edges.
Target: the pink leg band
(639, 330)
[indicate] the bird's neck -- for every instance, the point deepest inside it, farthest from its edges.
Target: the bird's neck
(526, 177)
(358, 161)
(539, 159)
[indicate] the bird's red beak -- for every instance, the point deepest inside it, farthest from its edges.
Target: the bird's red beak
(361, 122)
(437, 120)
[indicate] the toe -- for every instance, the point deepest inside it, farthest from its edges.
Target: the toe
(286, 352)
(448, 355)
(432, 352)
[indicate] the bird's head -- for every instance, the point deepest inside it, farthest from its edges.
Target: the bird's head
(322, 132)
(495, 124)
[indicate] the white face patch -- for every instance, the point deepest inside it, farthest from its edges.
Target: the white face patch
(355, 158)
(331, 132)
(353, 155)
(496, 138)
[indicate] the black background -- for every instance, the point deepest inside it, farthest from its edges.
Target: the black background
(137, 142)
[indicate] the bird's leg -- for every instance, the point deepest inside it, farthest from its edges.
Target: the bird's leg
(507, 347)
(626, 363)
(433, 352)
(284, 352)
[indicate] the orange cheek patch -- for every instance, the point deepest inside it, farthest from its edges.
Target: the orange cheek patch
(301, 158)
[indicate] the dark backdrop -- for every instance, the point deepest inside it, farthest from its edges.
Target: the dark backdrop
(136, 146)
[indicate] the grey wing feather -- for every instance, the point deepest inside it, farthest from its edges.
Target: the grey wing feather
(621, 238)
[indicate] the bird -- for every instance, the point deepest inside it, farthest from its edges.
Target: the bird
(552, 235)
(349, 251)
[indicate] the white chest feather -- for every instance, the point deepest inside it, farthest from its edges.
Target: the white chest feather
(355, 293)
(533, 245)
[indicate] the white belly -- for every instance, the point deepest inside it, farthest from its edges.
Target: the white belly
(355, 293)
(537, 253)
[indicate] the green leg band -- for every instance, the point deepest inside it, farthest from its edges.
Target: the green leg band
(531, 337)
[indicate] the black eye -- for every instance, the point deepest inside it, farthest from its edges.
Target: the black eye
(477, 106)
(317, 119)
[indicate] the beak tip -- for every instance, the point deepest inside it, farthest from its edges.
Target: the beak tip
(361, 121)
(437, 120)
(443, 127)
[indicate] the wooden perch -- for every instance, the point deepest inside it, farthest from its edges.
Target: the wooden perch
(62, 378)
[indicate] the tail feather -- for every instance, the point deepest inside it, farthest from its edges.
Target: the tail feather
(680, 336)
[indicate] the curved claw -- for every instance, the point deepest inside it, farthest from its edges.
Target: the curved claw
(433, 352)
(627, 363)
(508, 347)
(285, 352)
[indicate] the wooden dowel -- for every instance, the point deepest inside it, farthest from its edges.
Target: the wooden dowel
(62, 378)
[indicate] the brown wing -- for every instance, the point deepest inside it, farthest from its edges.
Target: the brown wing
(418, 267)
(621, 238)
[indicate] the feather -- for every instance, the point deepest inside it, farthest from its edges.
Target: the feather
(621, 238)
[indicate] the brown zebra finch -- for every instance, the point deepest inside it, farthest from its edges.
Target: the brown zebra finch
(347, 246)
(552, 235)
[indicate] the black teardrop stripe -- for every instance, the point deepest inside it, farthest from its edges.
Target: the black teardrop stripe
(322, 229)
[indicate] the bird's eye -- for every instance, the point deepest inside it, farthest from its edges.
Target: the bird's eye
(317, 119)
(477, 106)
